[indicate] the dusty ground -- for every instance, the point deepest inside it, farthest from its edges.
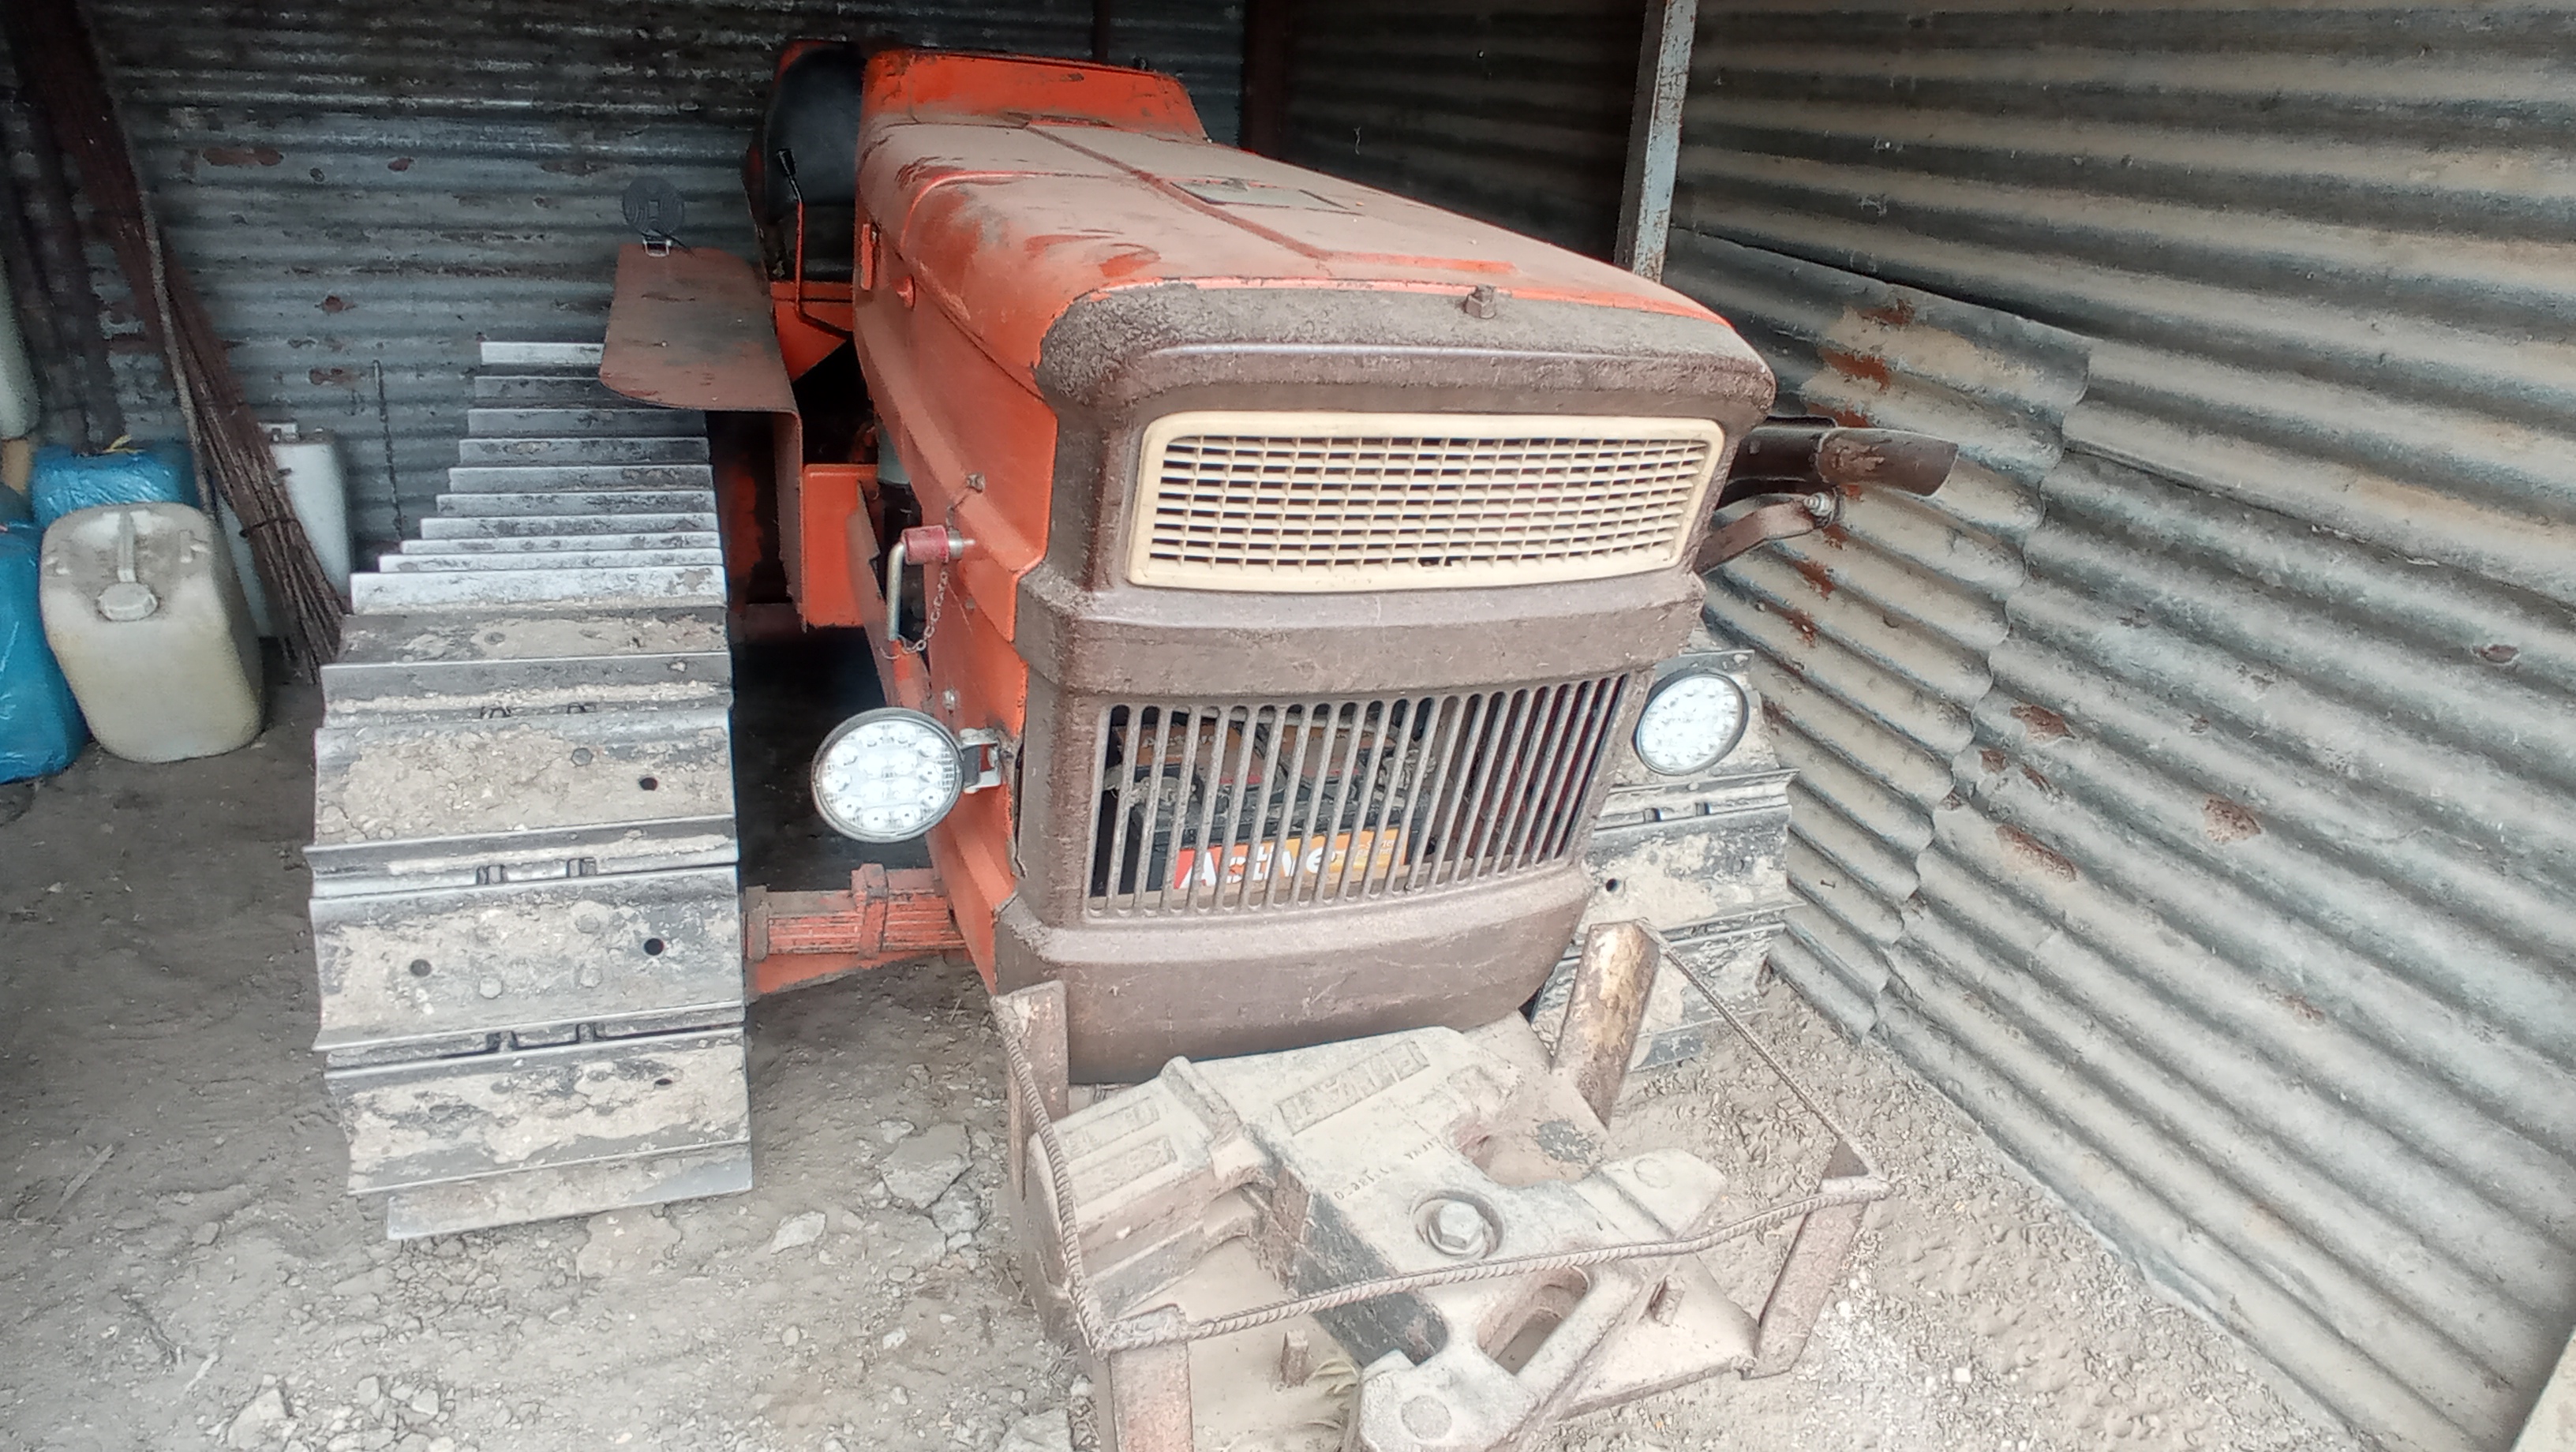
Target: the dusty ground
(179, 1268)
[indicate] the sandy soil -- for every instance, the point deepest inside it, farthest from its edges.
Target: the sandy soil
(181, 1269)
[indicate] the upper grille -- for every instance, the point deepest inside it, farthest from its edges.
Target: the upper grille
(1344, 501)
(1211, 807)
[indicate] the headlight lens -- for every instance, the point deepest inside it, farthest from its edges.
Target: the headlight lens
(887, 775)
(1691, 722)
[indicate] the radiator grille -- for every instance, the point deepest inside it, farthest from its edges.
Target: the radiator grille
(1318, 502)
(1248, 806)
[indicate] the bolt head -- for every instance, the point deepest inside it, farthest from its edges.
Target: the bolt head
(1457, 1228)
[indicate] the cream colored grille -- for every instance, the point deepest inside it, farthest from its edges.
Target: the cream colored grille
(1348, 501)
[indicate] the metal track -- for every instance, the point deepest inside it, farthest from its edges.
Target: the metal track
(524, 910)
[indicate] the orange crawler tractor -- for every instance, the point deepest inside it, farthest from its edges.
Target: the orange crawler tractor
(1287, 597)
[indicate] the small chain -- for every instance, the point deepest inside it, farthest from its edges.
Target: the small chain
(930, 617)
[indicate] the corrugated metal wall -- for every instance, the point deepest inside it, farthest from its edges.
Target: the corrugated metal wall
(375, 186)
(2243, 915)
(1514, 111)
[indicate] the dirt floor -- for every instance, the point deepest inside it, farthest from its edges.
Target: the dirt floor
(179, 1267)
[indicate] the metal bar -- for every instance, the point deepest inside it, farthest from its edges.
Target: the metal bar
(1580, 769)
(1147, 1394)
(1260, 804)
(1206, 727)
(1388, 714)
(1593, 778)
(1498, 785)
(1404, 791)
(1116, 793)
(1033, 1018)
(1153, 810)
(1288, 814)
(1815, 1263)
(1454, 773)
(1611, 985)
(1564, 723)
(1314, 892)
(1655, 135)
(1235, 812)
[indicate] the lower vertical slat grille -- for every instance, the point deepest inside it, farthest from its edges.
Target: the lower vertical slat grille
(1225, 807)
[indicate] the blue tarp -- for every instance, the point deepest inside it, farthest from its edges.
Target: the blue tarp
(40, 724)
(65, 481)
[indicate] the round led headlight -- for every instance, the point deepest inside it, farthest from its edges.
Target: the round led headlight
(1691, 722)
(887, 775)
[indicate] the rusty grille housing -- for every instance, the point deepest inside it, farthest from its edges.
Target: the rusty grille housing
(1354, 501)
(1227, 807)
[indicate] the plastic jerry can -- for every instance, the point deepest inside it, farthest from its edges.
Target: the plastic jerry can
(146, 617)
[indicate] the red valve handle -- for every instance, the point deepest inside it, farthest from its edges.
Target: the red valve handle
(932, 544)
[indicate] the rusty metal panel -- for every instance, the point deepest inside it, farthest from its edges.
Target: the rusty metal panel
(2237, 906)
(1874, 632)
(363, 190)
(1513, 111)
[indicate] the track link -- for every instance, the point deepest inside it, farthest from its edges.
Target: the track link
(525, 918)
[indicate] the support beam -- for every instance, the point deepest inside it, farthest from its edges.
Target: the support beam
(1655, 135)
(1269, 39)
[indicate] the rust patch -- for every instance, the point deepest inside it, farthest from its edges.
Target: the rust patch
(335, 304)
(2027, 851)
(2041, 782)
(399, 163)
(2044, 724)
(572, 166)
(1857, 365)
(2498, 654)
(2303, 1008)
(2227, 821)
(1801, 622)
(1896, 314)
(1815, 573)
(1850, 418)
(1772, 715)
(1993, 759)
(1835, 535)
(1127, 261)
(335, 377)
(242, 155)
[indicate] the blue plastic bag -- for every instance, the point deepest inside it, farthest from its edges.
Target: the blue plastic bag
(154, 474)
(41, 729)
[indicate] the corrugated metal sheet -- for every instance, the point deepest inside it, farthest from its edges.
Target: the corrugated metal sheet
(1876, 632)
(2244, 920)
(1513, 111)
(373, 186)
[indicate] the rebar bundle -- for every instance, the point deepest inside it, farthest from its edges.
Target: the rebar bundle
(60, 68)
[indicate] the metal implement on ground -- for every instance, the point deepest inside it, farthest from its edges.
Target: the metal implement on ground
(1436, 1206)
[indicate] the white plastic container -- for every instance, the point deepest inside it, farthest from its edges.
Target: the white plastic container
(143, 611)
(319, 490)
